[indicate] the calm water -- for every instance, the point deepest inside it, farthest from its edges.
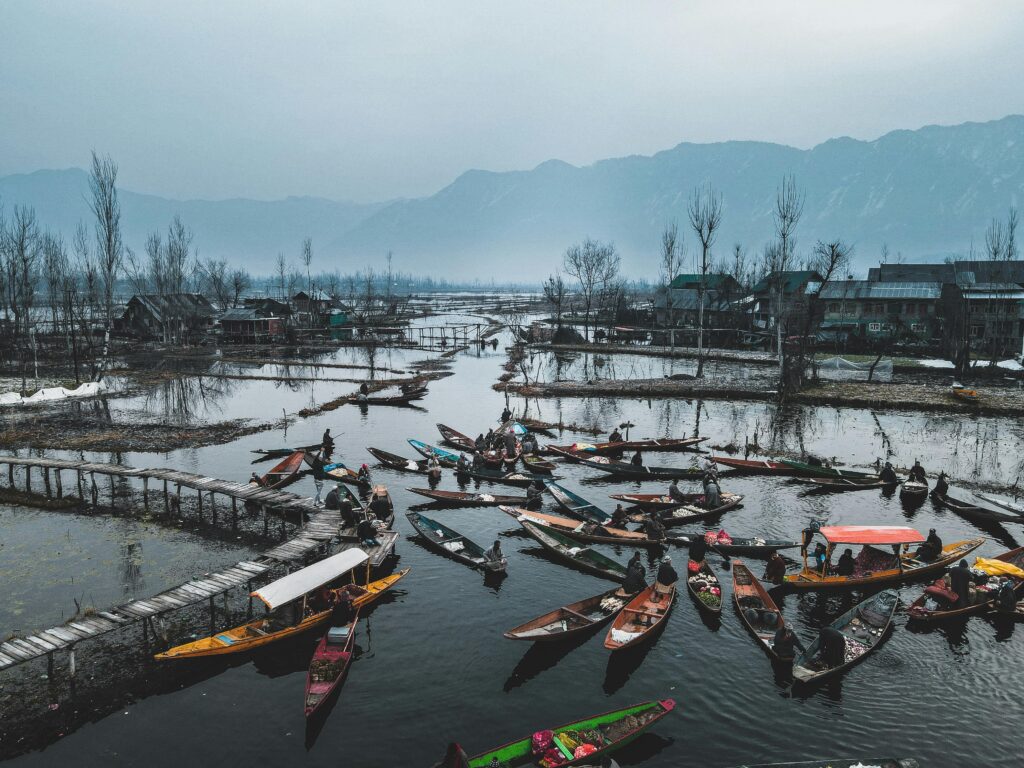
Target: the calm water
(434, 665)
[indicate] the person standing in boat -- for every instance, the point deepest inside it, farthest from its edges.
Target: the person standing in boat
(510, 443)
(653, 528)
(461, 466)
(363, 475)
(480, 443)
(941, 486)
(960, 582)
(786, 642)
(615, 436)
(888, 474)
(712, 492)
(917, 473)
(674, 493)
(638, 460)
(775, 570)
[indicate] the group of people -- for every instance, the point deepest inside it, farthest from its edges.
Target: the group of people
(365, 522)
(636, 574)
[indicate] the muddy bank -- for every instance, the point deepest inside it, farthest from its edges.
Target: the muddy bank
(913, 397)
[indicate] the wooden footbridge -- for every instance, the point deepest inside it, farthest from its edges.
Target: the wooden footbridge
(321, 526)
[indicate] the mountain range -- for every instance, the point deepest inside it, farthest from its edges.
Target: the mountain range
(925, 193)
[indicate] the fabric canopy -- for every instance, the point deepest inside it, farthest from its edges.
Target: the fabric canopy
(295, 585)
(997, 567)
(870, 534)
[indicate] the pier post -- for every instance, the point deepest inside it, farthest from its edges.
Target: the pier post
(113, 498)
(281, 514)
(200, 498)
(46, 482)
(71, 662)
(213, 508)
(94, 492)
(167, 500)
(249, 585)
(28, 477)
(60, 484)
(234, 513)
(145, 492)
(49, 666)
(266, 520)
(10, 476)
(81, 493)
(213, 624)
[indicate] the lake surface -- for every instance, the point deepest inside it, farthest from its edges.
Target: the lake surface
(433, 665)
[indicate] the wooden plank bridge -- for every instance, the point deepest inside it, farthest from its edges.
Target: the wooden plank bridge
(321, 526)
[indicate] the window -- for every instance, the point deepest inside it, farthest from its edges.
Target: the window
(879, 309)
(875, 327)
(977, 330)
(833, 307)
(918, 327)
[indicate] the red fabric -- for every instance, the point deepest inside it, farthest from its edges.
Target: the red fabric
(553, 756)
(871, 534)
(583, 750)
(946, 594)
(692, 567)
(711, 538)
(541, 742)
(724, 538)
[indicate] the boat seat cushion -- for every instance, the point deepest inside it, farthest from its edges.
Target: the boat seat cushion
(871, 560)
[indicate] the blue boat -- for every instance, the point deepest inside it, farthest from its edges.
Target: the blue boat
(444, 457)
(577, 506)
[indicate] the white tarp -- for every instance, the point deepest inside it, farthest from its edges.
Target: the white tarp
(842, 364)
(295, 585)
(47, 394)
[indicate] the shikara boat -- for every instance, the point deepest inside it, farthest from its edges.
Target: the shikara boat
(272, 628)
(873, 565)
(571, 620)
(539, 427)
(864, 626)
(918, 612)
(754, 466)
(405, 398)
(691, 513)
(284, 473)
(538, 465)
(862, 762)
(820, 470)
(519, 479)
(1008, 504)
(964, 394)
(329, 664)
(444, 458)
(618, 447)
(756, 607)
(460, 499)
(843, 484)
(914, 489)
(335, 470)
(569, 551)
(456, 439)
(627, 471)
(742, 546)
(974, 512)
(586, 530)
(701, 586)
(577, 506)
(615, 729)
(642, 616)
(650, 502)
(276, 453)
(394, 461)
(453, 544)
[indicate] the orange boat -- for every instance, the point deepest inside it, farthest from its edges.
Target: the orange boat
(641, 617)
(872, 565)
(284, 473)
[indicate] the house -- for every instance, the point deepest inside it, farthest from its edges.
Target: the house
(173, 317)
(313, 305)
(782, 295)
(269, 307)
(679, 304)
(251, 325)
(990, 315)
(871, 310)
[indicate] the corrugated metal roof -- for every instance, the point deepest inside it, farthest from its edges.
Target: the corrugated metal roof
(866, 289)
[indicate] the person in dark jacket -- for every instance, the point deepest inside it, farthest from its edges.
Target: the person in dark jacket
(637, 461)
(480, 443)
(506, 415)
(845, 564)
(333, 498)
(667, 575)
(327, 444)
(786, 642)
(615, 436)
(833, 647)
(917, 472)
(367, 534)
(941, 486)
(653, 528)
(932, 547)
(349, 518)
(775, 570)
(534, 496)
(1006, 597)
(674, 493)
(888, 474)
(619, 517)
(636, 579)
(698, 549)
(960, 582)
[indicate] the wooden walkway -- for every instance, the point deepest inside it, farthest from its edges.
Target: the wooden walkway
(321, 527)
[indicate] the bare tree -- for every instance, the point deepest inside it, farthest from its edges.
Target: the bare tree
(180, 261)
(281, 267)
(594, 265)
(307, 259)
(789, 206)
(671, 262)
(240, 282)
(705, 218)
(217, 282)
(555, 292)
(57, 268)
(109, 248)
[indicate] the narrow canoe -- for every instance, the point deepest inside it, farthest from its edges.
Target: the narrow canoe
(537, 465)
(617, 729)
(328, 666)
(657, 501)
(703, 582)
(864, 626)
(865, 762)
(576, 505)
(974, 512)
(914, 489)
(585, 531)
(1007, 504)
(690, 513)
(444, 457)
(500, 476)
(965, 395)
(842, 484)
(569, 551)
(618, 447)
(276, 453)
(918, 612)
(403, 399)
(394, 461)
(816, 470)
(627, 471)
(460, 499)
(756, 607)
(456, 439)
(745, 546)
(639, 620)
(571, 620)
(453, 544)
(754, 466)
(335, 470)
(285, 472)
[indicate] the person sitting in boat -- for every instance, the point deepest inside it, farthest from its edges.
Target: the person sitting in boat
(528, 444)
(379, 505)
(786, 642)
(653, 528)
(636, 579)
(256, 479)
(775, 570)
(506, 415)
(888, 474)
(433, 467)
(712, 492)
(349, 518)
(534, 495)
(333, 499)
(494, 554)
(833, 647)
(636, 564)
(845, 564)
(932, 547)
(820, 557)
(615, 436)
(917, 473)
(667, 575)
(367, 533)
(455, 757)
(619, 517)
(462, 465)
(960, 582)
(698, 551)
(480, 443)
(674, 493)
(637, 460)
(363, 475)
(941, 486)
(1006, 597)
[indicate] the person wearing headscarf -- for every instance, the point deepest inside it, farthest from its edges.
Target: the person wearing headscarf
(932, 547)
(653, 528)
(667, 575)
(637, 460)
(674, 493)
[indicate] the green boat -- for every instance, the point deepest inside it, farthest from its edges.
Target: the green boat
(574, 553)
(614, 730)
(820, 470)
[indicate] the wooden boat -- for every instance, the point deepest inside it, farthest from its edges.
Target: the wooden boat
(864, 626)
(641, 617)
(284, 473)
(918, 612)
(964, 394)
(754, 466)
(843, 484)
(276, 453)
(820, 470)
(576, 505)
(863, 762)
(459, 499)
(586, 530)
(453, 544)
(690, 513)
(627, 471)
(745, 547)
(616, 728)
(656, 501)
(444, 458)
(456, 439)
(618, 447)
(329, 664)
(702, 583)
(756, 607)
(540, 427)
(567, 550)
(538, 465)
(405, 398)
(913, 489)
(873, 565)
(571, 620)
(974, 512)
(394, 461)
(334, 470)
(519, 479)
(999, 501)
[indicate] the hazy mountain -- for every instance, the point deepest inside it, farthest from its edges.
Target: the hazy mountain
(928, 192)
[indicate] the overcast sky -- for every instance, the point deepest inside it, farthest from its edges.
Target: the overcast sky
(374, 100)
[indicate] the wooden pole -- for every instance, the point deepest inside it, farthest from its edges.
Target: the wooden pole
(200, 498)
(212, 616)
(213, 508)
(145, 492)
(46, 482)
(167, 500)
(93, 490)
(113, 499)
(28, 477)
(81, 493)
(266, 521)
(10, 476)
(60, 485)
(234, 513)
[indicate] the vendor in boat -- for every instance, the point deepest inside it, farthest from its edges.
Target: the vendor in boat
(667, 575)
(367, 533)
(434, 466)
(256, 479)
(1006, 597)
(845, 564)
(888, 474)
(932, 547)
(363, 475)
(528, 444)
(775, 570)
(488, 439)
(653, 528)
(712, 492)
(506, 414)
(534, 494)
(960, 582)
(786, 643)
(674, 493)
(379, 505)
(615, 436)
(494, 553)
(820, 557)
(941, 486)
(333, 499)
(917, 473)
(480, 443)
(833, 647)
(637, 461)
(636, 579)
(510, 444)
(698, 551)
(461, 466)
(636, 565)
(619, 517)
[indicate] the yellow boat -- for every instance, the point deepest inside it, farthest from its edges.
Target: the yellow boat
(260, 632)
